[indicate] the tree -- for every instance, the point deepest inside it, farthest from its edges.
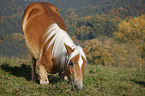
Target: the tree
(133, 31)
(99, 53)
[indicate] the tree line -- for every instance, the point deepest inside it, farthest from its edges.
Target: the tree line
(114, 29)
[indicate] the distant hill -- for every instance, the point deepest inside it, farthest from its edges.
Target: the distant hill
(96, 16)
(82, 7)
(11, 11)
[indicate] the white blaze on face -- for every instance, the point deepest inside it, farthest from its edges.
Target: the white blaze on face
(80, 62)
(77, 51)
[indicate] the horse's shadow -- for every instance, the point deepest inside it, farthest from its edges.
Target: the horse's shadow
(142, 83)
(25, 71)
(20, 71)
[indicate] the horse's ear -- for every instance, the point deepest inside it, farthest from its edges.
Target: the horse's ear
(69, 49)
(87, 49)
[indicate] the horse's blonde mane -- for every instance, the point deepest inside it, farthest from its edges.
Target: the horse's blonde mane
(60, 38)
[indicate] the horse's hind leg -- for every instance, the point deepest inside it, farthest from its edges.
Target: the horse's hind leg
(33, 65)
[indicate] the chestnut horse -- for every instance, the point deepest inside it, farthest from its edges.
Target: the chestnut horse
(49, 44)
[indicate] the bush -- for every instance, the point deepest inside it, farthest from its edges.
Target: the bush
(109, 52)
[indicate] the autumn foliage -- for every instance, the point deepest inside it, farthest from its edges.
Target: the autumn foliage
(133, 31)
(115, 29)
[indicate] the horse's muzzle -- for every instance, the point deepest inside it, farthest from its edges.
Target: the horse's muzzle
(77, 84)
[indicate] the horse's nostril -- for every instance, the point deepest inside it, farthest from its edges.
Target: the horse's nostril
(75, 87)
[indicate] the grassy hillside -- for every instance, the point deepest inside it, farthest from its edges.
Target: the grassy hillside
(15, 79)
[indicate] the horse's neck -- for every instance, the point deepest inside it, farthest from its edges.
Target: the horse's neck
(60, 38)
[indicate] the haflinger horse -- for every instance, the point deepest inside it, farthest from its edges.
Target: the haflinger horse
(50, 45)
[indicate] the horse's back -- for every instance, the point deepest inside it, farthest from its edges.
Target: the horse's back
(56, 16)
(36, 19)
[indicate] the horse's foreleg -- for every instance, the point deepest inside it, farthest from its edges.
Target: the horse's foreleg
(42, 73)
(33, 65)
(62, 76)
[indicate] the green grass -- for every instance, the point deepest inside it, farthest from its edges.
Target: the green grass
(15, 79)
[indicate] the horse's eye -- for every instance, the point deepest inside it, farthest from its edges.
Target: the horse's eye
(71, 63)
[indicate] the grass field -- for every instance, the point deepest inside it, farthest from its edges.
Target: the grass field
(15, 79)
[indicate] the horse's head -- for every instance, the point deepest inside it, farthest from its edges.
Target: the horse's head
(75, 65)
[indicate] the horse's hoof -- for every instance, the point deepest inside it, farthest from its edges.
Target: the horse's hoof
(44, 82)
